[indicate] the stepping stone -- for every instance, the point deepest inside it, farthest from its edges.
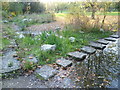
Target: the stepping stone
(9, 63)
(97, 45)
(77, 55)
(110, 39)
(46, 72)
(115, 36)
(63, 62)
(102, 41)
(31, 58)
(88, 49)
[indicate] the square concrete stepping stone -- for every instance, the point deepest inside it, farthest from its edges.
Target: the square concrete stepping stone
(88, 49)
(115, 36)
(64, 62)
(46, 72)
(110, 39)
(77, 55)
(97, 45)
(102, 41)
(9, 63)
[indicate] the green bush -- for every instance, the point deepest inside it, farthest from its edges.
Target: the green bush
(37, 7)
(16, 7)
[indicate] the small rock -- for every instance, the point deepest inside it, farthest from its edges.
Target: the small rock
(47, 47)
(47, 34)
(30, 19)
(15, 55)
(72, 39)
(5, 21)
(57, 28)
(102, 30)
(21, 36)
(81, 31)
(61, 36)
(25, 20)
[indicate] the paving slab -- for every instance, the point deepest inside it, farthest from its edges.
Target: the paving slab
(115, 36)
(110, 39)
(102, 41)
(64, 62)
(88, 49)
(77, 55)
(9, 62)
(58, 82)
(97, 45)
(46, 72)
(29, 81)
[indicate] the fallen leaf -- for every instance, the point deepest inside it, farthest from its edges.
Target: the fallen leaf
(39, 66)
(58, 61)
(30, 57)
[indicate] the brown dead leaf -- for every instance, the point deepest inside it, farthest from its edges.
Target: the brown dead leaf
(79, 77)
(39, 66)
(30, 57)
(58, 61)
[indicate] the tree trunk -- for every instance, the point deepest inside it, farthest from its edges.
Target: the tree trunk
(103, 21)
(93, 14)
(93, 10)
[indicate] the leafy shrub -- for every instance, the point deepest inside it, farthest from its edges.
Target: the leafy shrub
(36, 7)
(16, 7)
